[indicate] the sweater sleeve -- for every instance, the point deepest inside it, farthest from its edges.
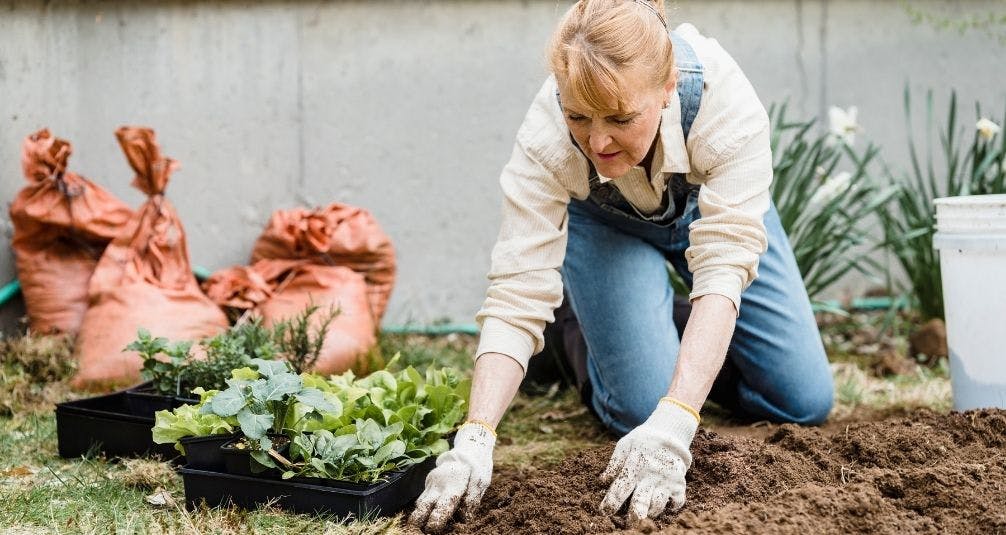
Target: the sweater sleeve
(732, 159)
(524, 282)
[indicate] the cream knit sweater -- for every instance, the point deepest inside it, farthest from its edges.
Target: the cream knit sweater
(727, 154)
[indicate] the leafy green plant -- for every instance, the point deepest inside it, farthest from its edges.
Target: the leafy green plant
(409, 408)
(360, 452)
(299, 343)
(971, 165)
(262, 401)
(165, 373)
(190, 421)
(173, 370)
(342, 427)
(826, 196)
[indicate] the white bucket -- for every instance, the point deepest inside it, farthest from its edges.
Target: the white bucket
(971, 240)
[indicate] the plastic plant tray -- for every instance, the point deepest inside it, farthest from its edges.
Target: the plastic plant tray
(143, 401)
(336, 498)
(238, 461)
(203, 453)
(104, 424)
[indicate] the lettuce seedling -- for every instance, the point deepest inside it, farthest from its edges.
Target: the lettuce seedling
(360, 453)
(397, 419)
(188, 421)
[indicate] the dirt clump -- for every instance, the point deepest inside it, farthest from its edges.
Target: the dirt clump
(929, 340)
(929, 473)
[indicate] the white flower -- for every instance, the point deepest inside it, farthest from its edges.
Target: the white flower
(987, 129)
(843, 123)
(832, 187)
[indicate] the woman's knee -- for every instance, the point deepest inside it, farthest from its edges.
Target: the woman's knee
(802, 397)
(811, 406)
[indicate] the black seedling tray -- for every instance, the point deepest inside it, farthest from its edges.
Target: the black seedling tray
(203, 453)
(337, 498)
(104, 424)
(144, 401)
(238, 462)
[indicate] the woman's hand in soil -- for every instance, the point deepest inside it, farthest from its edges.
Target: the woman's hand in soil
(650, 464)
(463, 473)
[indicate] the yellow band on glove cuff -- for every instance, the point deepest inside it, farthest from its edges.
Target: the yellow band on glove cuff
(683, 405)
(483, 424)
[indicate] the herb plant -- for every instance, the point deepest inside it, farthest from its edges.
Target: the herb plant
(299, 343)
(165, 372)
(174, 372)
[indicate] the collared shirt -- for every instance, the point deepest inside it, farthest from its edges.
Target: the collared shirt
(727, 154)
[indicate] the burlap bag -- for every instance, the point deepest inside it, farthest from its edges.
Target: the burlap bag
(144, 279)
(62, 224)
(282, 289)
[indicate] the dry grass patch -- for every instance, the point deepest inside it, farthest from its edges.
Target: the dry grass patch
(145, 474)
(543, 430)
(860, 395)
(33, 373)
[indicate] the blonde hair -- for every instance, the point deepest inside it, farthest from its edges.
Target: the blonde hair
(598, 40)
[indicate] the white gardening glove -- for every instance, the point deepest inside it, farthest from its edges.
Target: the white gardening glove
(650, 463)
(463, 472)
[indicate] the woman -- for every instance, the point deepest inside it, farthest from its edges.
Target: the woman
(643, 147)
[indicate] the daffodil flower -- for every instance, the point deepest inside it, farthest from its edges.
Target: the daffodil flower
(832, 188)
(987, 129)
(843, 123)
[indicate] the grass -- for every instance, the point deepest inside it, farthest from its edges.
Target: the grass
(859, 395)
(41, 493)
(33, 370)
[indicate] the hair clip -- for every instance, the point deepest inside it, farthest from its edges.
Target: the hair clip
(649, 5)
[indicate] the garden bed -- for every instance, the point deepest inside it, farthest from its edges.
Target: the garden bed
(926, 473)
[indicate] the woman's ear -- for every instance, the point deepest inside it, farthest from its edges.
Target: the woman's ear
(670, 87)
(669, 90)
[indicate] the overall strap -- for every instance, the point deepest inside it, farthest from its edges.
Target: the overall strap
(690, 81)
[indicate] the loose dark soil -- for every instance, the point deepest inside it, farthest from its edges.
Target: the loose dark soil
(929, 473)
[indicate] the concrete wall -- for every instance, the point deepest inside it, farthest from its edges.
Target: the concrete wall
(406, 108)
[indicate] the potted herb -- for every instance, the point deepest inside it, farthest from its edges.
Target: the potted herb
(172, 373)
(162, 370)
(298, 342)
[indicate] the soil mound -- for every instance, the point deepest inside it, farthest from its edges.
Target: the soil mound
(928, 473)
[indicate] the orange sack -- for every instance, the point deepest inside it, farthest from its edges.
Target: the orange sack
(281, 289)
(336, 235)
(62, 223)
(144, 279)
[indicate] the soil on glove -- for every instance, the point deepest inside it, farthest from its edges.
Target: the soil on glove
(929, 473)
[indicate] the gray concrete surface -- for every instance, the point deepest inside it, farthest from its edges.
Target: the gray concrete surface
(407, 108)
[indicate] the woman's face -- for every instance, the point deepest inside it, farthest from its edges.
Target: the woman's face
(617, 141)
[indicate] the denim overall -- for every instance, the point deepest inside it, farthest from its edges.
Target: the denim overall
(615, 279)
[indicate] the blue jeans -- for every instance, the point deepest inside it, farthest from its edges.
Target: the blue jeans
(616, 280)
